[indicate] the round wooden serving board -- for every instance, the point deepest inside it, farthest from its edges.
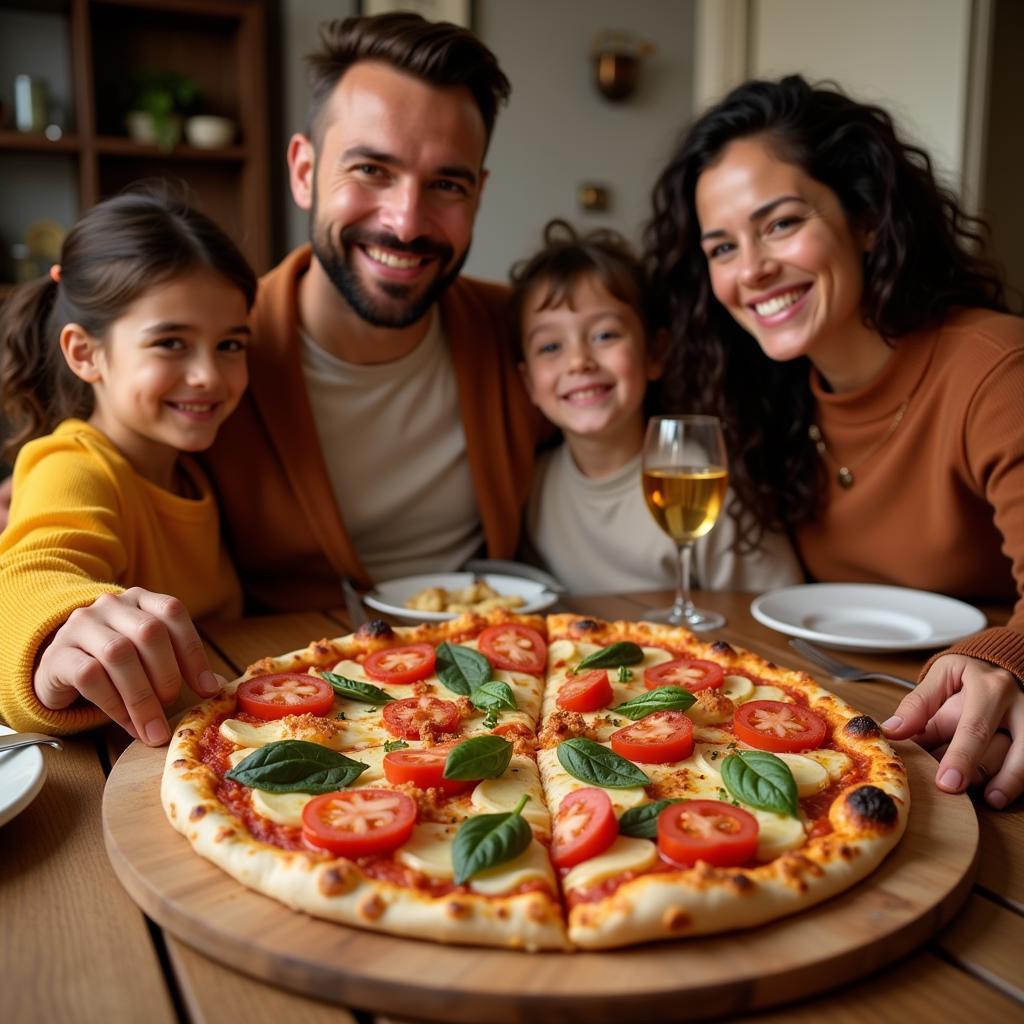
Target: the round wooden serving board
(915, 891)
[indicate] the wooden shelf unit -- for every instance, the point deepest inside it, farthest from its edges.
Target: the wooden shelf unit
(221, 44)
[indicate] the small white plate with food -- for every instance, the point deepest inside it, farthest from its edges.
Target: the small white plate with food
(435, 597)
(22, 773)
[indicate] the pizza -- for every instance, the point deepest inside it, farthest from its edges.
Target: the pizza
(534, 783)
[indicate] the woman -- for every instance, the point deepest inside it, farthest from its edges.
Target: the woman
(825, 301)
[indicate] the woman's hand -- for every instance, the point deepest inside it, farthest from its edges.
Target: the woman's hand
(970, 714)
(128, 654)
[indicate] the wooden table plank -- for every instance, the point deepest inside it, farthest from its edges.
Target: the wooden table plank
(214, 994)
(244, 641)
(986, 939)
(921, 988)
(1001, 853)
(73, 946)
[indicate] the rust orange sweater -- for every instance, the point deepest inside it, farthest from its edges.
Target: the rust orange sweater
(286, 533)
(940, 505)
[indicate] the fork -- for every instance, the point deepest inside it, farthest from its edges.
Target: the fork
(29, 739)
(851, 673)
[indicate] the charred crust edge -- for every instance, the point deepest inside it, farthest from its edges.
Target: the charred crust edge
(874, 805)
(864, 726)
(376, 629)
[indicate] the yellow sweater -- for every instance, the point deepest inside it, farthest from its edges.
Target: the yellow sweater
(84, 523)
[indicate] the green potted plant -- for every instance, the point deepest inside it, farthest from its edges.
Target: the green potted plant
(158, 104)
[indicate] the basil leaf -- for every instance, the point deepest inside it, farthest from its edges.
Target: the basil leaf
(761, 780)
(489, 839)
(642, 822)
(394, 745)
(490, 719)
(482, 757)
(624, 653)
(296, 766)
(461, 668)
(354, 689)
(590, 762)
(663, 698)
(494, 696)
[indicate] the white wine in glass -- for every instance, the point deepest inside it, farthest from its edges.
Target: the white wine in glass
(685, 478)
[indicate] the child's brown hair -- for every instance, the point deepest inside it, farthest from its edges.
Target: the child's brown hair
(566, 257)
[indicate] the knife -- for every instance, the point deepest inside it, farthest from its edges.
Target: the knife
(353, 603)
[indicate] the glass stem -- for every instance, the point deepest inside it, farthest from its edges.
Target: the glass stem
(683, 609)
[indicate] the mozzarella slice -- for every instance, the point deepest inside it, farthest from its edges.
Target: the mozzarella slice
(709, 734)
(373, 758)
(236, 757)
(708, 757)
(429, 850)
(778, 833)
(737, 688)
(835, 762)
(625, 854)
(246, 735)
(770, 693)
(284, 808)
(531, 865)
(492, 796)
(809, 774)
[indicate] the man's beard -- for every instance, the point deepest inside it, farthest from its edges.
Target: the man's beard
(403, 310)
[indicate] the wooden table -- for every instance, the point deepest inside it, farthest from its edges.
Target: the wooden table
(74, 947)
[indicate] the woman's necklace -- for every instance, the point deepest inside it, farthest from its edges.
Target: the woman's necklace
(844, 476)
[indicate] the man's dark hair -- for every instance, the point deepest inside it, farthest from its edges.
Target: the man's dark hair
(438, 52)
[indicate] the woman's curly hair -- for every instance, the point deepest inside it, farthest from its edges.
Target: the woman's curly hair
(922, 265)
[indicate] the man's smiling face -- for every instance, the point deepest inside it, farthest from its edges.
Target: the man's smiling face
(397, 183)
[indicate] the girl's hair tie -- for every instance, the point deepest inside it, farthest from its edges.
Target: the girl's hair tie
(55, 273)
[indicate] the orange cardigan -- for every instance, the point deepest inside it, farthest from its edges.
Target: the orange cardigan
(285, 531)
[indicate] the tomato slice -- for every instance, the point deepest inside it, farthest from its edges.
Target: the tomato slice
(708, 830)
(285, 693)
(656, 739)
(405, 718)
(401, 664)
(590, 691)
(359, 822)
(514, 648)
(424, 768)
(690, 673)
(775, 725)
(584, 826)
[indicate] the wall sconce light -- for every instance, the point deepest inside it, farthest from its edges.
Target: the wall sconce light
(616, 57)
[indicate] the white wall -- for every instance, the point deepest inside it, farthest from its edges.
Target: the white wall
(910, 56)
(557, 132)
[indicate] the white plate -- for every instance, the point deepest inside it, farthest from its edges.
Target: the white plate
(391, 595)
(22, 773)
(867, 617)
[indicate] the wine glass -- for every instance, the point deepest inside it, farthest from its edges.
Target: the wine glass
(685, 477)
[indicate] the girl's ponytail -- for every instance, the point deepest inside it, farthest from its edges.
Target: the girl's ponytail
(37, 388)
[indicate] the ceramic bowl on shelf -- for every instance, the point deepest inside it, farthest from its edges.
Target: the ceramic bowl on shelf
(205, 131)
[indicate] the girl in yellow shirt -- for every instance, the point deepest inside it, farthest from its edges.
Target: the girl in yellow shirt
(130, 354)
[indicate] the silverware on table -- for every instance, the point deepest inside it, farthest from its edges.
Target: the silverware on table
(29, 739)
(841, 670)
(353, 603)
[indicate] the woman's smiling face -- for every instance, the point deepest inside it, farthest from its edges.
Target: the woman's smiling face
(782, 255)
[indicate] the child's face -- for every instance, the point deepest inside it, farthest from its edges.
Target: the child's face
(173, 367)
(586, 368)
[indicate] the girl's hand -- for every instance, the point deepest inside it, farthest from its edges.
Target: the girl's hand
(128, 654)
(956, 711)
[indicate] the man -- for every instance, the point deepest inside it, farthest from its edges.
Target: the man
(384, 431)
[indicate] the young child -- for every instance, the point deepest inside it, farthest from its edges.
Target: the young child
(129, 354)
(582, 307)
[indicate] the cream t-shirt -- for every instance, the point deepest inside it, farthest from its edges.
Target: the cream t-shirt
(597, 536)
(395, 450)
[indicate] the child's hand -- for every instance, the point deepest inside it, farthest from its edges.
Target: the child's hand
(127, 654)
(956, 711)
